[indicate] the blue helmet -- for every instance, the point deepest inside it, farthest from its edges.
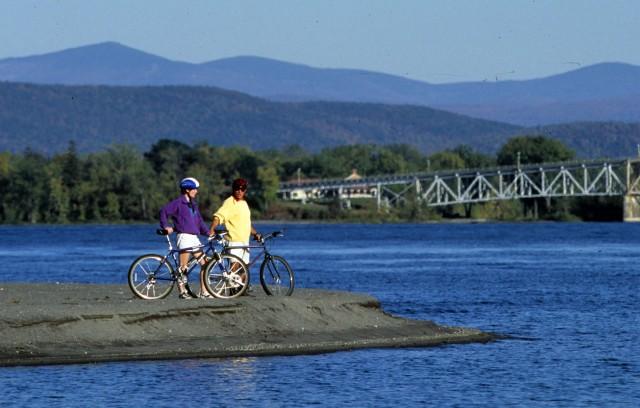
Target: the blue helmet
(189, 183)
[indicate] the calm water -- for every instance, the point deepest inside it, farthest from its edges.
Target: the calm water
(567, 294)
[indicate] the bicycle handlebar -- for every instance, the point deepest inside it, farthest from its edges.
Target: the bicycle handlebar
(271, 235)
(219, 235)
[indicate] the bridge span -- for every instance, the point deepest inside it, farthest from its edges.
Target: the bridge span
(591, 178)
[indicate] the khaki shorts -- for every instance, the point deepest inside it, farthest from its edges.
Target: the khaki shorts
(242, 253)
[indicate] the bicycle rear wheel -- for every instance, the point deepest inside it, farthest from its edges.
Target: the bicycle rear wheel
(276, 276)
(151, 277)
(226, 277)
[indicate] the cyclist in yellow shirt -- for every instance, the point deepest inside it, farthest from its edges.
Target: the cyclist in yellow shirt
(236, 216)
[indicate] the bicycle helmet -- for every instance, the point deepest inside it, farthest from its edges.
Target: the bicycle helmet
(189, 183)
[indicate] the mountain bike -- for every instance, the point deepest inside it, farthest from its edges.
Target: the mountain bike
(153, 276)
(276, 275)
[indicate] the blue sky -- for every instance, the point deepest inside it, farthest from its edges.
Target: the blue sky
(433, 41)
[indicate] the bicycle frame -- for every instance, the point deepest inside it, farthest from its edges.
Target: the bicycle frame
(264, 254)
(207, 249)
(255, 258)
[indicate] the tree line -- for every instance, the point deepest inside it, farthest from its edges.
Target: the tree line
(121, 184)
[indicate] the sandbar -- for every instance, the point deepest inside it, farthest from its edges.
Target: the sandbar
(87, 323)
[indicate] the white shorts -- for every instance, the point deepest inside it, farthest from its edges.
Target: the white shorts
(185, 241)
(242, 253)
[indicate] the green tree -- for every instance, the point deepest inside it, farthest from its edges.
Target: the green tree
(71, 167)
(122, 171)
(473, 159)
(57, 207)
(169, 160)
(111, 210)
(412, 158)
(5, 171)
(446, 160)
(536, 149)
(169, 156)
(27, 191)
(533, 149)
(385, 161)
(267, 184)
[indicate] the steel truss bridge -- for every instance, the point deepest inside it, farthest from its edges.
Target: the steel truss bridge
(570, 179)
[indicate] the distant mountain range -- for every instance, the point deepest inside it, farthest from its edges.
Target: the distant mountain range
(602, 92)
(46, 117)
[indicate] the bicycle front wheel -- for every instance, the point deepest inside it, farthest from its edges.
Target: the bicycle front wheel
(151, 277)
(276, 276)
(226, 277)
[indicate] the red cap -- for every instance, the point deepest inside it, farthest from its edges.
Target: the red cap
(239, 184)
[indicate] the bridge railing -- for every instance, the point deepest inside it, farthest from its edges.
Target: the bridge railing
(581, 179)
(576, 178)
(408, 177)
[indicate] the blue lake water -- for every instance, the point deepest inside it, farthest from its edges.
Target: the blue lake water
(567, 294)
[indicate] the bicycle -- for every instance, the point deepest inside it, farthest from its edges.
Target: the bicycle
(153, 276)
(276, 275)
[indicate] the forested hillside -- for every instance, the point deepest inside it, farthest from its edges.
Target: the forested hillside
(596, 139)
(47, 117)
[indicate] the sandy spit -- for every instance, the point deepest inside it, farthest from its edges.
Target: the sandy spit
(80, 323)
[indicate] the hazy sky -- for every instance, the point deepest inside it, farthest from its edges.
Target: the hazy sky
(429, 40)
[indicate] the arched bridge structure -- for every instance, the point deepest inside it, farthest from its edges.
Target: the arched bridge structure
(571, 179)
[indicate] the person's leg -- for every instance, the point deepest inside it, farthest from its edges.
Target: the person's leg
(203, 289)
(185, 243)
(242, 253)
(184, 260)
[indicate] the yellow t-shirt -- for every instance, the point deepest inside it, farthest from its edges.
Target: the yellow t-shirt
(236, 216)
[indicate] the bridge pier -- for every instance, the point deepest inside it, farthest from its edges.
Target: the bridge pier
(631, 208)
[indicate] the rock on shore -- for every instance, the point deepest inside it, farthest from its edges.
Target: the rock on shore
(79, 323)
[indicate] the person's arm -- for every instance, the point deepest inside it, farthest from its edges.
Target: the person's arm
(214, 225)
(203, 226)
(219, 216)
(165, 213)
(256, 235)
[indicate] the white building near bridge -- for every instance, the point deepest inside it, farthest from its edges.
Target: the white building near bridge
(343, 193)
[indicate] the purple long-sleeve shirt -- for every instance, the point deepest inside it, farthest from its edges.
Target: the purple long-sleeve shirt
(185, 216)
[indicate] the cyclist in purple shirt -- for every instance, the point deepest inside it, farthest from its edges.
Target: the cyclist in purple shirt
(187, 222)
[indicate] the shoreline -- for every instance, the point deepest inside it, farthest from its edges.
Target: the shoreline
(328, 222)
(88, 323)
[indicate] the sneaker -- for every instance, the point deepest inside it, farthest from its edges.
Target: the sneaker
(204, 295)
(185, 295)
